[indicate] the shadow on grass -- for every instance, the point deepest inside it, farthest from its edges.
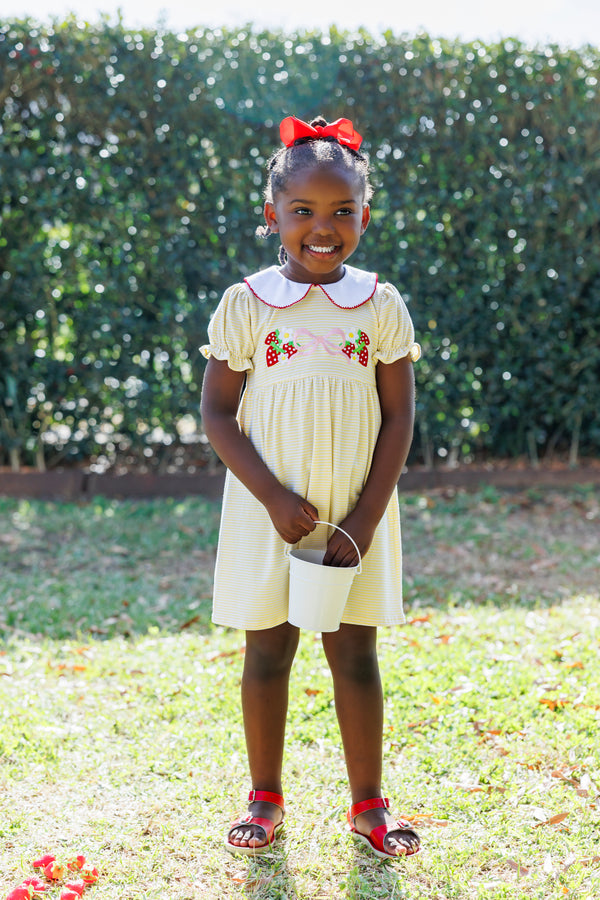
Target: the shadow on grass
(269, 877)
(111, 568)
(370, 877)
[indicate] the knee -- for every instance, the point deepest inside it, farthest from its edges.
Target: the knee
(270, 653)
(353, 659)
(360, 667)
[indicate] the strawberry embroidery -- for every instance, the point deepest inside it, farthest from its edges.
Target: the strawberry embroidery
(272, 357)
(290, 349)
(280, 343)
(361, 348)
(356, 345)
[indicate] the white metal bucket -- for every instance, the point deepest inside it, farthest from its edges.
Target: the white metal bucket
(318, 593)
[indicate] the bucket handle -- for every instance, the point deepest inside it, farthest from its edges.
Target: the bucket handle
(350, 538)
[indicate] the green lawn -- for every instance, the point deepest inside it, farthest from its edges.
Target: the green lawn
(120, 731)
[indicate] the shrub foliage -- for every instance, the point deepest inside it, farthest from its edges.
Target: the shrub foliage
(131, 173)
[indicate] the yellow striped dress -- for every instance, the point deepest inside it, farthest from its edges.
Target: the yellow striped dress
(310, 406)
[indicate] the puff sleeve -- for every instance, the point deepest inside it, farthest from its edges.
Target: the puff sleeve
(230, 330)
(396, 337)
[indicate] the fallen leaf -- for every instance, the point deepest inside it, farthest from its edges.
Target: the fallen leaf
(554, 702)
(226, 653)
(518, 867)
(424, 819)
(589, 861)
(189, 623)
(424, 723)
(553, 820)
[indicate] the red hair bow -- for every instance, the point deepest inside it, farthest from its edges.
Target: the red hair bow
(342, 130)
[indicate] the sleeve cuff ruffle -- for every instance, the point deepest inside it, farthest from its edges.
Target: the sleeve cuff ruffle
(387, 356)
(235, 362)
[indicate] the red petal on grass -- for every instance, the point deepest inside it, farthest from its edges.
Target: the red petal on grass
(89, 873)
(312, 692)
(419, 620)
(22, 892)
(69, 895)
(77, 886)
(54, 871)
(38, 886)
(43, 861)
(77, 863)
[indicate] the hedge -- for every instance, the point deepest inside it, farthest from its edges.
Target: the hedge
(131, 173)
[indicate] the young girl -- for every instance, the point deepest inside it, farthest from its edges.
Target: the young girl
(308, 399)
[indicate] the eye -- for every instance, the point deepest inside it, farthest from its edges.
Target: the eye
(345, 211)
(302, 211)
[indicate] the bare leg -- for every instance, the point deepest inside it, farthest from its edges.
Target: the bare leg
(267, 664)
(352, 656)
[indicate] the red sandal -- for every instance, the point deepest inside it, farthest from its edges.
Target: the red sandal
(267, 826)
(375, 840)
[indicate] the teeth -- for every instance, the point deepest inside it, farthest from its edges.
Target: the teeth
(317, 249)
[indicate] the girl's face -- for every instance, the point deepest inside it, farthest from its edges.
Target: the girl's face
(319, 217)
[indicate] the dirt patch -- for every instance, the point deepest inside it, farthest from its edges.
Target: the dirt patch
(520, 547)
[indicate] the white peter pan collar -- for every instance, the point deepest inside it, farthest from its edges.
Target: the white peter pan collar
(274, 289)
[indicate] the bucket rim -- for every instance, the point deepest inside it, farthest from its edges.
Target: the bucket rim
(357, 569)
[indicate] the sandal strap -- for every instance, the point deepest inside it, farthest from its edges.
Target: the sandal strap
(365, 805)
(266, 797)
(267, 826)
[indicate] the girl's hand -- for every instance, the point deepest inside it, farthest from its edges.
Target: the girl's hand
(341, 551)
(292, 515)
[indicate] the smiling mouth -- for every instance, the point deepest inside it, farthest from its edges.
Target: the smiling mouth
(315, 248)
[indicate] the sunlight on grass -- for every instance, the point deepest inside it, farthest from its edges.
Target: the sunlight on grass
(126, 743)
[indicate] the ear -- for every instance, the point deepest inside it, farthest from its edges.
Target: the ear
(270, 217)
(366, 218)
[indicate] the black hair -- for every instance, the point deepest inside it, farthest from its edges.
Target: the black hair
(305, 153)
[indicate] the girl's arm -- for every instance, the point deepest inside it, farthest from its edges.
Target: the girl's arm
(396, 389)
(292, 515)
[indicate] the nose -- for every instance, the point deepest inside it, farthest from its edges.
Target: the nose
(323, 224)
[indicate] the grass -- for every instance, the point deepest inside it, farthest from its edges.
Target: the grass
(120, 732)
